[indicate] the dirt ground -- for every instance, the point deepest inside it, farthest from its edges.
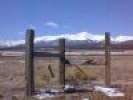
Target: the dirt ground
(12, 74)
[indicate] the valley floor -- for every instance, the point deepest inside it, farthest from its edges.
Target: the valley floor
(12, 72)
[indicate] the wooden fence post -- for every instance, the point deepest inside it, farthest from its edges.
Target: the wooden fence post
(62, 62)
(107, 59)
(29, 62)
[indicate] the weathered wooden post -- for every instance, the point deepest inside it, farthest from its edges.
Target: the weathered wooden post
(107, 59)
(29, 62)
(62, 62)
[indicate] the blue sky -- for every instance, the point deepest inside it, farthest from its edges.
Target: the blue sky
(51, 17)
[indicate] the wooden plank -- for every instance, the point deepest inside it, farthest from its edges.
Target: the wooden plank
(107, 59)
(46, 54)
(51, 71)
(62, 62)
(29, 60)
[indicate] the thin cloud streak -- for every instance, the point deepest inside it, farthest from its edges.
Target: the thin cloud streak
(52, 24)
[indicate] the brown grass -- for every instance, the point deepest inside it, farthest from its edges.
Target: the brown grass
(12, 73)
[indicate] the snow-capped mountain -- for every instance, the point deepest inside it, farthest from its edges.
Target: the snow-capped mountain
(77, 38)
(123, 38)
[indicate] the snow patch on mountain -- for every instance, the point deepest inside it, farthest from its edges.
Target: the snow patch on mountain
(9, 43)
(77, 36)
(123, 38)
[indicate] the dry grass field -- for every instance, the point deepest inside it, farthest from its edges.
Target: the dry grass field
(12, 75)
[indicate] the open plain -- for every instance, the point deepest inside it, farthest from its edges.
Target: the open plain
(12, 73)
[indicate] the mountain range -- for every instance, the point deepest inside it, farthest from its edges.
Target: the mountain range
(77, 40)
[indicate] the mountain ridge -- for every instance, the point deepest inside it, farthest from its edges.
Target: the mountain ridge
(82, 36)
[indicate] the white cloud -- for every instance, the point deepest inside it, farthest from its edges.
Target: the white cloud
(52, 24)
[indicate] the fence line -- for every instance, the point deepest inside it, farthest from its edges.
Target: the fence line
(30, 54)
